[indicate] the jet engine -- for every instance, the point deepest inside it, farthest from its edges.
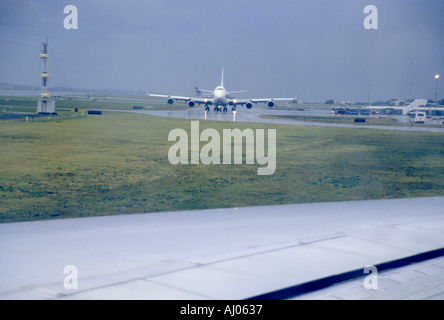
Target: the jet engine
(170, 101)
(191, 103)
(249, 105)
(271, 104)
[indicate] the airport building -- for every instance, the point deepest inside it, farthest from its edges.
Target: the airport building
(399, 107)
(395, 107)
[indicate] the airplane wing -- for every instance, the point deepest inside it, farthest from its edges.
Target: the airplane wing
(272, 99)
(170, 97)
(231, 92)
(249, 102)
(191, 100)
(303, 246)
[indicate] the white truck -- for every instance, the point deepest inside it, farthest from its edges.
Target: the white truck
(418, 117)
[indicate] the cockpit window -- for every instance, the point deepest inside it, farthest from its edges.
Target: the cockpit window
(219, 88)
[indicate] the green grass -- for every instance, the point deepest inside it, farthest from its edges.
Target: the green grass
(101, 104)
(118, 164)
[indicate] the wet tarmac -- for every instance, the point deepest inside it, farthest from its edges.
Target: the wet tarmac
(254, 116)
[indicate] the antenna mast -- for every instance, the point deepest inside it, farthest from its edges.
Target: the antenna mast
(45, 106)
(45, 75)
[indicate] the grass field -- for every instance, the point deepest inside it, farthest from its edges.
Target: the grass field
(101, 104)
(118, 164)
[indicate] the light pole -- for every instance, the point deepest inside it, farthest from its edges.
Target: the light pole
(436, 92)
(369, 86)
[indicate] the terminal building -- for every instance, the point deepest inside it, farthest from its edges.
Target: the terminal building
(395, 107)
(401, 108)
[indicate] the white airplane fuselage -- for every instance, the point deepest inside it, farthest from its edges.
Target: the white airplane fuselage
(220, 97)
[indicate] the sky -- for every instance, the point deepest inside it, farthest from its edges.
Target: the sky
(317, 49)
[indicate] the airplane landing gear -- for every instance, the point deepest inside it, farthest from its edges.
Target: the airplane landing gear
(233, 109)
(225, 109)
(207, 108)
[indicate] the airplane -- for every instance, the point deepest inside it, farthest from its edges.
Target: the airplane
(199, 93)
(220, 98)
(209, 94)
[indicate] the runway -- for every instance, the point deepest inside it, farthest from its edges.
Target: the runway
(235, 253)
(254, 116)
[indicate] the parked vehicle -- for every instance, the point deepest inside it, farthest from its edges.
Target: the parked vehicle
(418, 117)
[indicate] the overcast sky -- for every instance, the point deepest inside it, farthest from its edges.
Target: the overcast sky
(318, 49)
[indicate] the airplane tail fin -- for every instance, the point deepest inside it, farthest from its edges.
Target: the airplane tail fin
(222, 82)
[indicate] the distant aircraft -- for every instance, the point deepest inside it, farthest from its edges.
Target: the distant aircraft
(199, 93)
(220, 98)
